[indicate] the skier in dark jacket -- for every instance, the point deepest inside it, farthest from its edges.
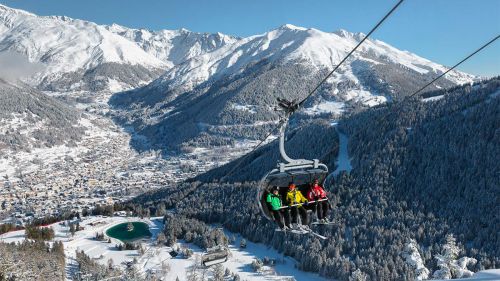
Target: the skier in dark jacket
(275, 203)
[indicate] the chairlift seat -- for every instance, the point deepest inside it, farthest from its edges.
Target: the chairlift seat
(215, 255)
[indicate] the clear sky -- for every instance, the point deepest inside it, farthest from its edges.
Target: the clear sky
(444, 31)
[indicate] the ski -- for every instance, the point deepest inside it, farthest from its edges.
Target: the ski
(301, 232)
(323, 223)
(295, 231)
(317, 235)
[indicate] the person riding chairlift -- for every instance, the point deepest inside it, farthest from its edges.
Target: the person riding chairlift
(317, 192)
(274, 200)
(294, 197)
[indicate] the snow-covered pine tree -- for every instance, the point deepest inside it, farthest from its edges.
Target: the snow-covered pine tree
(413, 258)
(218, 274)
(357, 275)
(449, 266)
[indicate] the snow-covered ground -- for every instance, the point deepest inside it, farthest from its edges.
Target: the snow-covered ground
(485, 275)
(151, 261)
(326, 107)
(435, 98)
(241, 260)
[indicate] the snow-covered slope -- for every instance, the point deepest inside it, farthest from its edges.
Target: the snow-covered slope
(238, 83)
(310, 47)
(68, 45)
(173, 46)
(82, 55)
(30, 119)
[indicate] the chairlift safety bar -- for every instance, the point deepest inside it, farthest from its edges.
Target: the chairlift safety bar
(300, 204)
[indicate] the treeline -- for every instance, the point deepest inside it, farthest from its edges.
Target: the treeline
(64, 216)
(192, 231)
(93, 270)
(7, 227)
(39, 233)
(158, 201)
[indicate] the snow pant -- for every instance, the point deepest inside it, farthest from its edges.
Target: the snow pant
(320, 208)
(295, 211)
(278, 217)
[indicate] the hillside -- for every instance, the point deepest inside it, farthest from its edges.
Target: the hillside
(30, 119)
(400, 188)
(221, 94)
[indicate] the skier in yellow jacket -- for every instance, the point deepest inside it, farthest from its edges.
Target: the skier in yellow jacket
(293, 197)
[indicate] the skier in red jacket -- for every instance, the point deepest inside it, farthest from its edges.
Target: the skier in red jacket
(315, 193)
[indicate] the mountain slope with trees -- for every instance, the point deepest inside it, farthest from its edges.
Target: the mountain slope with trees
(31, 119)
(236, 85)
(423, 171)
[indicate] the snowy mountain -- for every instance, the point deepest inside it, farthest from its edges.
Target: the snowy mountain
(82, 55)
(310, 47)
(237, 84)
(173, 46)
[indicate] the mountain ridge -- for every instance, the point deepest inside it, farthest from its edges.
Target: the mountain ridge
(73, 50)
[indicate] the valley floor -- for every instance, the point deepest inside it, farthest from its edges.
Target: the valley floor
(101, 169)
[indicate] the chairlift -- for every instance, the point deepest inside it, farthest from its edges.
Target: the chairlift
(173, 253)
(215, 255)
(243, 243)
(302, 172)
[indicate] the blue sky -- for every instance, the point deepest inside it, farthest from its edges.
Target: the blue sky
(443, 31)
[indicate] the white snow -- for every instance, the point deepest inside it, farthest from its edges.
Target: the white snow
(326, 107)
(484, 275)
(435, 98)
(64, 45)
(173, 46)
(364, 97)
(290, 43)
(234, 58)
(242, 258)
(247, 107)
(413, 258)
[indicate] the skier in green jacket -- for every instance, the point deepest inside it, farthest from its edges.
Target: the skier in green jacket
(275, 203)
